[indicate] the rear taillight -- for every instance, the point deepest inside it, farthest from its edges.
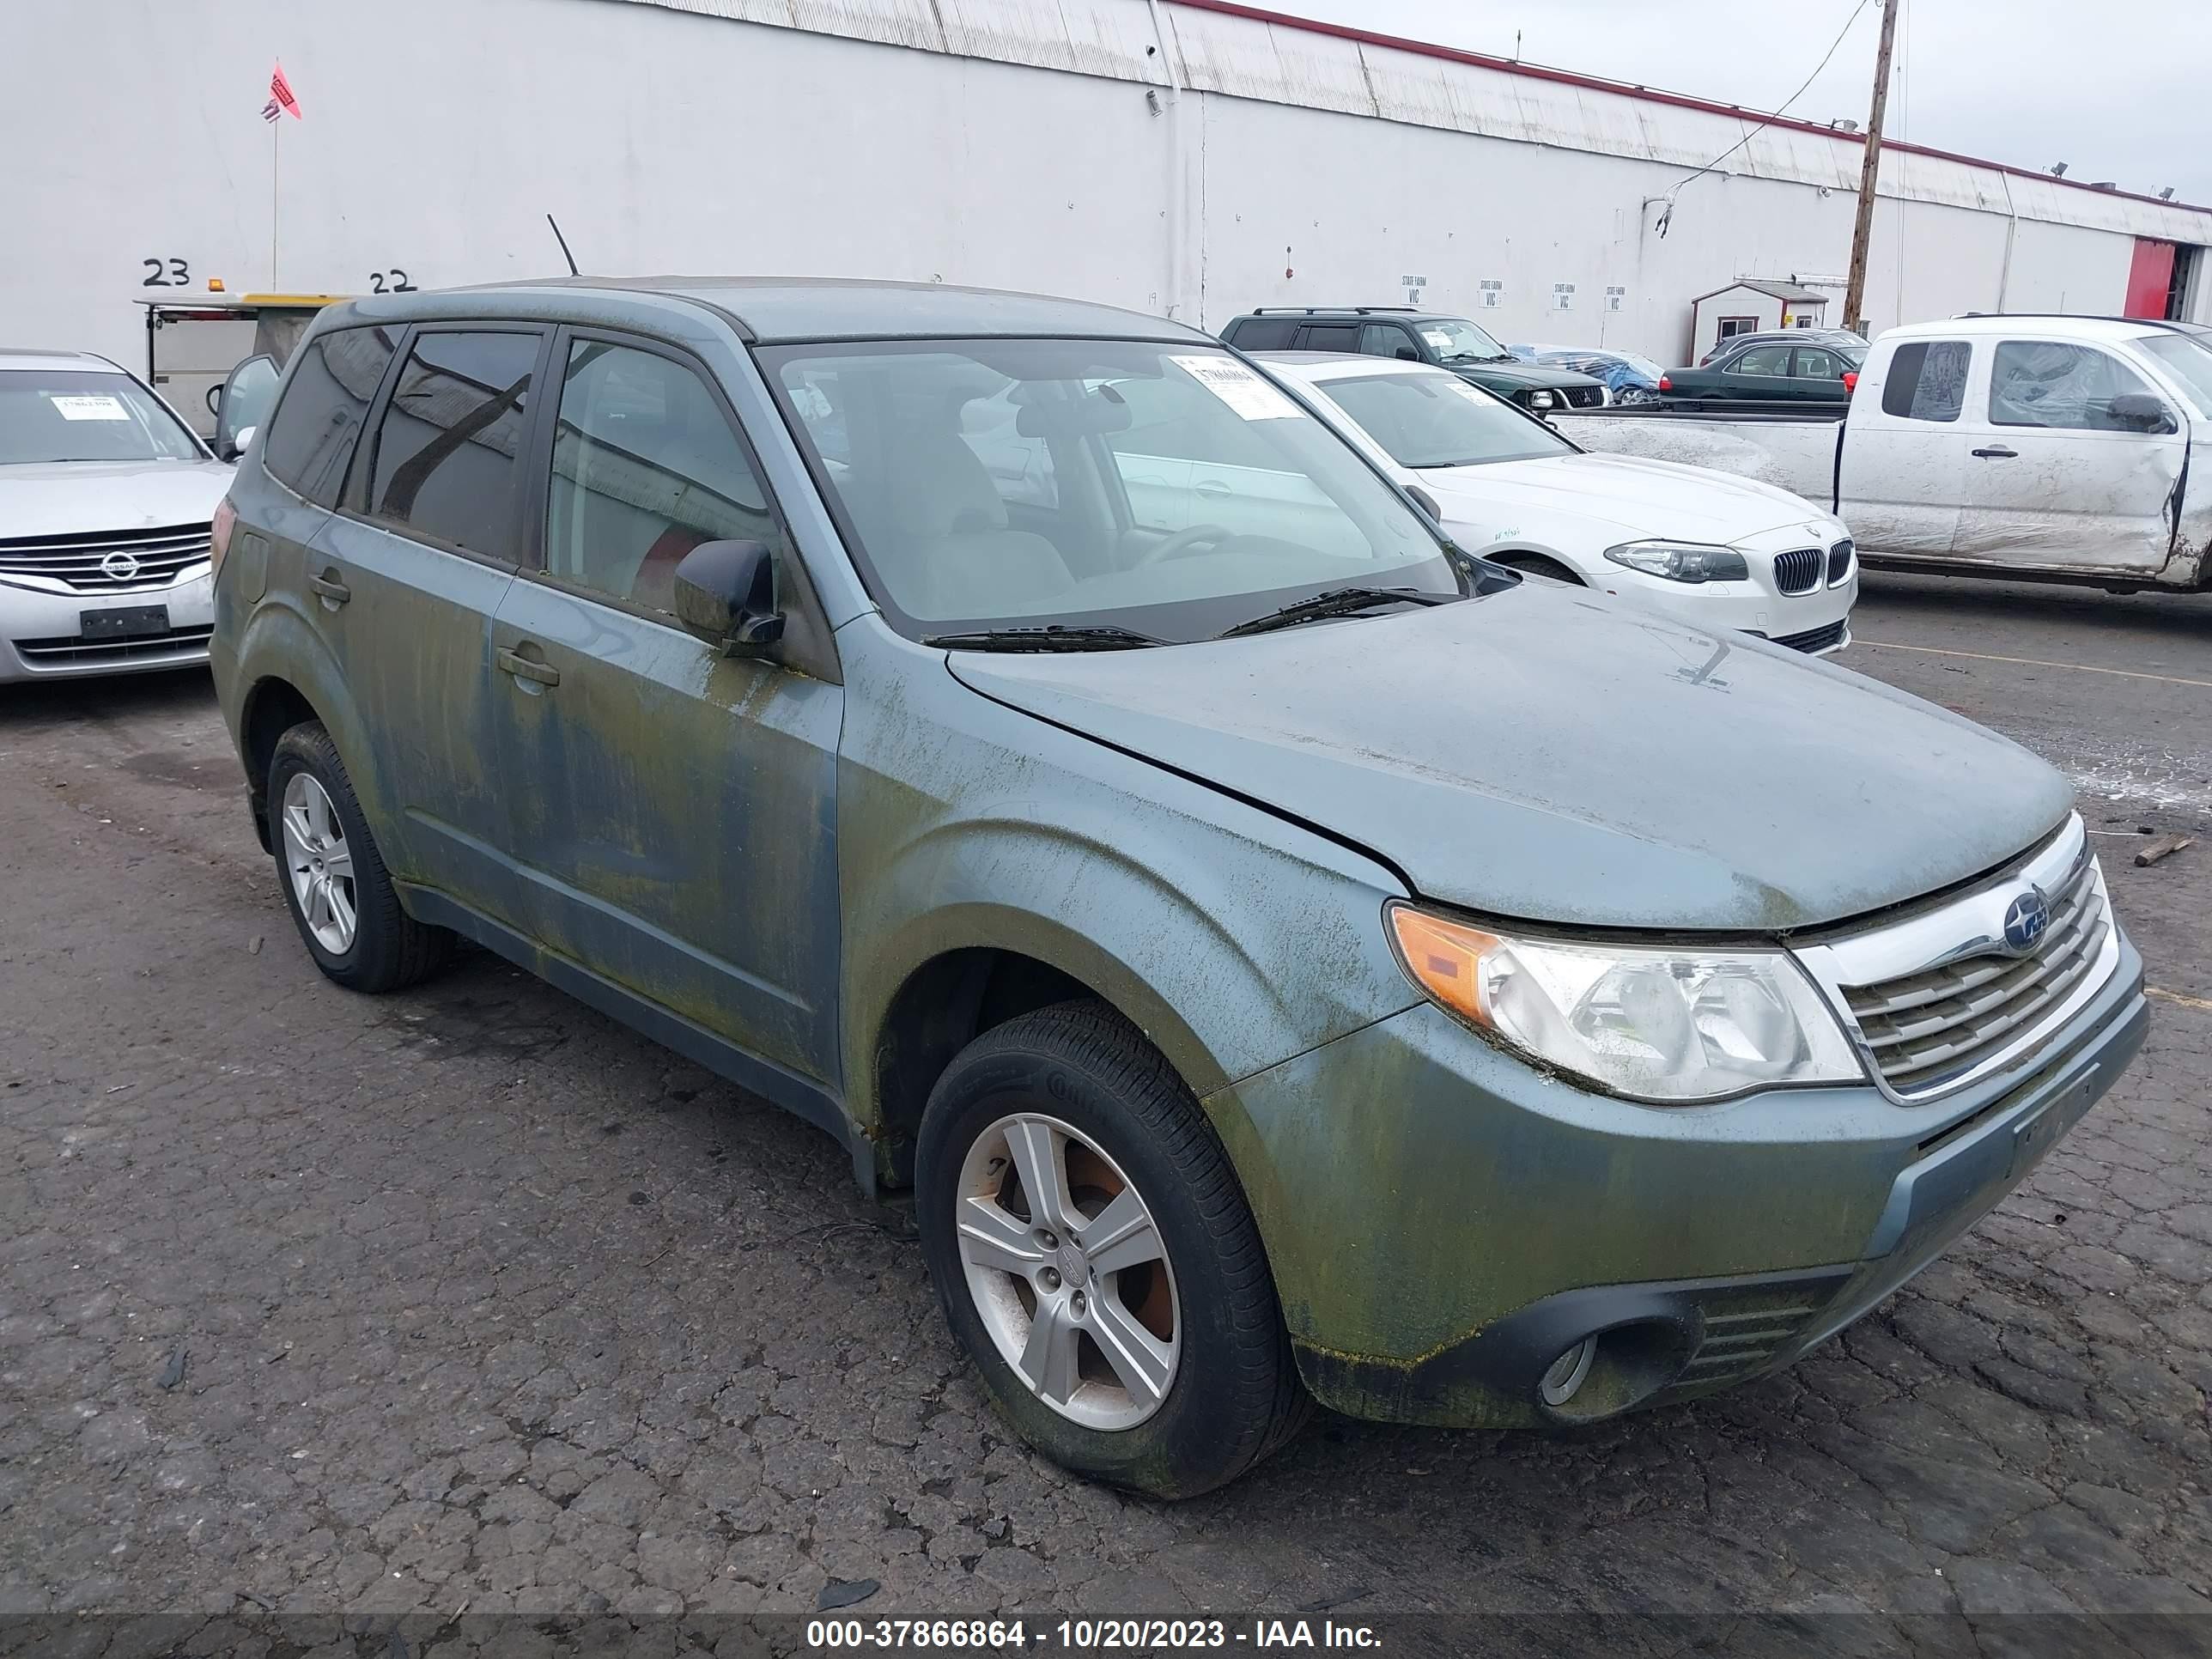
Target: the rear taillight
(1850, 381)
(226, 518)
(1666, 383)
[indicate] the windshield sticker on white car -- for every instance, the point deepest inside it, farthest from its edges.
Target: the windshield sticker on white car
(1469, 392)
(1239, 387)
(87, 407)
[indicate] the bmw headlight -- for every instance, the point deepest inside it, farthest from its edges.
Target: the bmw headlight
(1670, 1025)
(1682, 561)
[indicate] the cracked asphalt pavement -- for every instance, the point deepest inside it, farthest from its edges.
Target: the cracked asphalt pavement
(468, 1299)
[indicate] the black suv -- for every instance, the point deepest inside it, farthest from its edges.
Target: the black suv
(1451, 343)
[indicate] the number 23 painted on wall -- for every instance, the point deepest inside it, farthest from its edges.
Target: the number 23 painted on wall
(167, 273)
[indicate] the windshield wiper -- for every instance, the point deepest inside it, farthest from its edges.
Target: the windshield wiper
(1338, 602)
(1054, 637)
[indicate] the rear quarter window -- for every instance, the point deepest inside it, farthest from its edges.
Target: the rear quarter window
(1927, 381)
(1262, 333)
(311, 437)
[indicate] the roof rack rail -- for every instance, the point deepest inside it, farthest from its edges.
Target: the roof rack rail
(2176, 324)
(1311, 311)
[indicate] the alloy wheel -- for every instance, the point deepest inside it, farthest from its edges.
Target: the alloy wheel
(320, 863)
(1069, 1272)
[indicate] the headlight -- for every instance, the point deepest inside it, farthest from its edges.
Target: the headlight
(1540, 400)
(1666, 1025)
(1682, 561)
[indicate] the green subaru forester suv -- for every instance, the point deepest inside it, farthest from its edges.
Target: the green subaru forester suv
(1285, 957)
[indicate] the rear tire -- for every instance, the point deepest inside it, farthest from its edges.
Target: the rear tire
(1535, 564)
(333, 880)
(1075, 1093)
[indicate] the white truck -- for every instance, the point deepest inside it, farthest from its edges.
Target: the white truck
(2043, 448)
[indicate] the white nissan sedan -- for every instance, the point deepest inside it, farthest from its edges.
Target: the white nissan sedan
(105, 503)
(1721, 551)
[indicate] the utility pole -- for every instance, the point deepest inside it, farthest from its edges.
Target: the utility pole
(1863, 232)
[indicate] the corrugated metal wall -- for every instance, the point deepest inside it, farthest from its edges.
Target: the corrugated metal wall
(1213, 163)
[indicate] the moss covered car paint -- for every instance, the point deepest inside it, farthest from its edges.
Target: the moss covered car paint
(824, 871)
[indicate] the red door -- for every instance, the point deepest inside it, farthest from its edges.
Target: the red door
(2148, 278)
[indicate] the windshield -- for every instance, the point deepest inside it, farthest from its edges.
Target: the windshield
(1166, 489)
(1439, 420)
(1455, 340)
(2188, 358)
(77, 415)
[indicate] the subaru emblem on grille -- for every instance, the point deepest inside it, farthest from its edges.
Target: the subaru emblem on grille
(2025, 919)
(119, 567)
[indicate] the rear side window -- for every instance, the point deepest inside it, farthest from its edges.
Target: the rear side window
(2048, 383)
(1927, 381)
(1773, 359)
(1331, 336)
(446, 452)
(1263, 333)
(646, 467)
(311, 436)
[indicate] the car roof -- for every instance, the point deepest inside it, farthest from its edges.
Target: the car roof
(2090, 328)
(1337, 365)
(35, 358)
(769, 309)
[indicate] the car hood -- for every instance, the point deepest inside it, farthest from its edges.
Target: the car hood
(61, 498)
(1646, 498)
(1550, 754)
(1510, 371)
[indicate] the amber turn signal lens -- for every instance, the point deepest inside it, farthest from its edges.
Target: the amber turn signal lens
(225, 517)
(1445, 959)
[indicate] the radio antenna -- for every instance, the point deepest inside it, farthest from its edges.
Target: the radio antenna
(563, 240)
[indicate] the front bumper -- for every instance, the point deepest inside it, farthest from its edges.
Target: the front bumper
(40, 633)
(1444, 1221)
(1817, 623)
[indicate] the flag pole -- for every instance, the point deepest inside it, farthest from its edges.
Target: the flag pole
(276, 143)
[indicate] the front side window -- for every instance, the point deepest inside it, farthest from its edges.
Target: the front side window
(446, 451)
(1384, 340)
(2188, 358)
(1163, 489)
(79, 415)
(2048, 383)
(646, 467)
(1927, 381)
(1768, 360)
(1439, 420)
(310, 438)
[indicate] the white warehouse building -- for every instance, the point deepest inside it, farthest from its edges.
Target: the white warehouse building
(1190, 157)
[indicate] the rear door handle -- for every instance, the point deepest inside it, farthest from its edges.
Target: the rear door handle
(523, 669)
(332, 592)
(1999, 453)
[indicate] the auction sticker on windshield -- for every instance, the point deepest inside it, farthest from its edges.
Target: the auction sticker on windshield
(87, 407)
(1238, 387)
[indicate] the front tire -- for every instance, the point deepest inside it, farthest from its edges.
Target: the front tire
(1094, 1256)
(334, 881)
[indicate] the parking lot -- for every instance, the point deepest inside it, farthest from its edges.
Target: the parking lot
(469, 1300)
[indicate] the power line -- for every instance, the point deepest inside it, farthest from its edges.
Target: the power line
(1777, 114)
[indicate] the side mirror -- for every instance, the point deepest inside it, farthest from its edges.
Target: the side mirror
(2140, 411)
(1426, 502)
(725, 594)
(242, 405)
(1411, 354)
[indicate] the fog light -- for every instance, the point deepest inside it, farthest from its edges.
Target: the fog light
(1567, 1372)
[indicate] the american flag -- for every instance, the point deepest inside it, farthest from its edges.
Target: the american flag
(281, 100)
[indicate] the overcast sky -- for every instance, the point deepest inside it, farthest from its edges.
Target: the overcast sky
(2117, 89)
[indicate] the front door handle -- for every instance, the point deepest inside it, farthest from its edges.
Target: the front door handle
(524, 669)
(329, 589)
(1997, 453)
